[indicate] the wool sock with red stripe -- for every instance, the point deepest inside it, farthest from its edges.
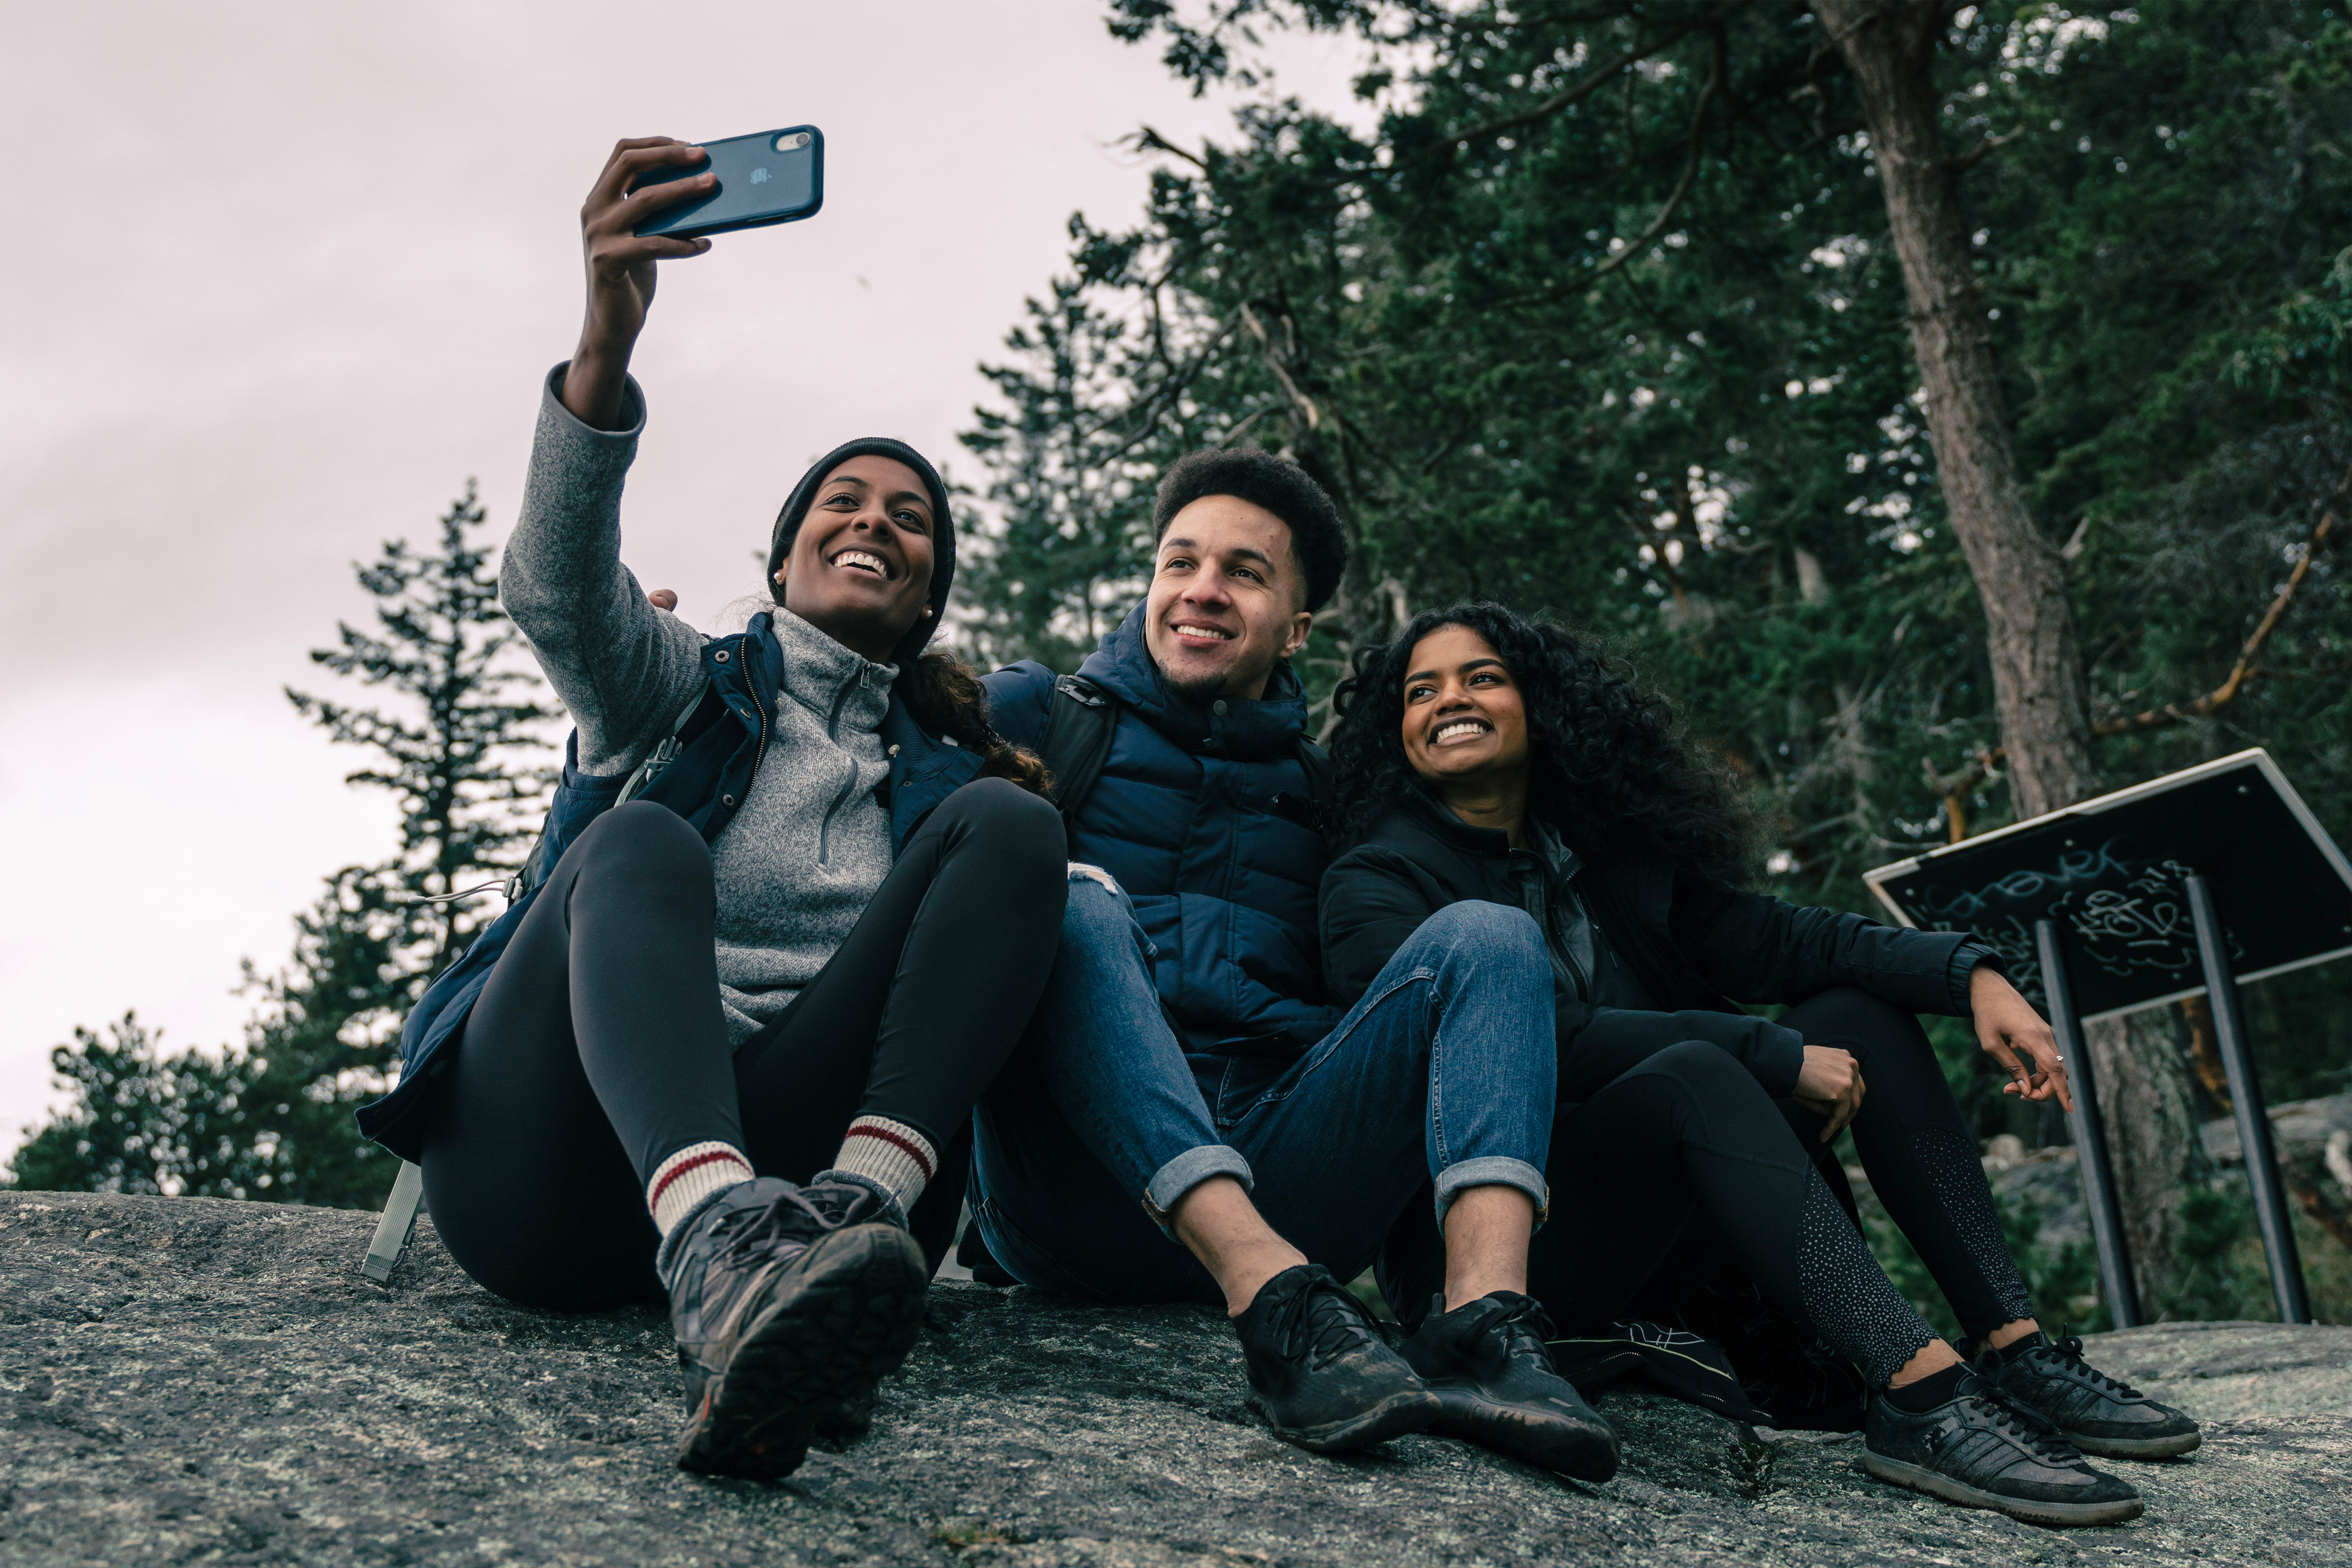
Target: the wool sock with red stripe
(696, 1173)
(891, 1154)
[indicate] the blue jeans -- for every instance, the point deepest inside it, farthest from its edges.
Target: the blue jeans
(1441, 1075)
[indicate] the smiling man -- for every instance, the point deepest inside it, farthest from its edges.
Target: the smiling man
(1189, 1118)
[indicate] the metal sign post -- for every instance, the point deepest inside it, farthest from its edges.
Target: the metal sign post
(2246, 1103)
(2192, 882)
(2090, 1136)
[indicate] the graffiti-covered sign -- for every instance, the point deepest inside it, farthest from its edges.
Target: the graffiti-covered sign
(2112, 873)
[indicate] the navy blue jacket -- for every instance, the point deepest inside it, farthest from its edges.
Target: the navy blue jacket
(1184, 817)
(703, 785)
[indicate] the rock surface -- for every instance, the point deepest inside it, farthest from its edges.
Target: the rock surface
(195, 1381)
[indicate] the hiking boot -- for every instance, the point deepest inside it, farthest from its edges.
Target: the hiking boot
(1319, 1373)
(1980, 1450)
(1496, 1386)
(789, 1303)
(2098, 1414)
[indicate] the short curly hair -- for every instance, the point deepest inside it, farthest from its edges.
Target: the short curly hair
(1318, 540)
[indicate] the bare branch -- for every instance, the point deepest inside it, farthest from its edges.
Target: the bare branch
(1956, 787)
(1577, 91)
(1690, 172)
(1147, 140)
(1960, 164)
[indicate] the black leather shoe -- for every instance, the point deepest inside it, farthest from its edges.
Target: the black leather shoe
(788, 1303)
(1498, 1387)
(1980, 1450)
(1319, 1374)
(2098, 1414)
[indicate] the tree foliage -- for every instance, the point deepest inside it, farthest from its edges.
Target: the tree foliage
(1600, 318)
(272, 1118)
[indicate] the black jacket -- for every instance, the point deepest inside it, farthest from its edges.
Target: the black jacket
(1685, 951)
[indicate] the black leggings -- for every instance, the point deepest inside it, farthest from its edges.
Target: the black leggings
(1683, 1165)
(1690, 1135)
(1922, 1161)
(599, 1049)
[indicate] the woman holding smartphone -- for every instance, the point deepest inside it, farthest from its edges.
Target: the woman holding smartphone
(726, 1046)
(1484, 756)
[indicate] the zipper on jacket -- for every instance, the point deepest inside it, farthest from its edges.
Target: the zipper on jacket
(760, 746)
(841, 798)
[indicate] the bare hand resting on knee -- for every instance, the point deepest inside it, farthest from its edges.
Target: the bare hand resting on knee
(1831, 1083)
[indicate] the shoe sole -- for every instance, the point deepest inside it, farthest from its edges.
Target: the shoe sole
(1935, 1483)
(848, 1317)
(2138, 1447)
(1394, 1416)
(1582, 1451)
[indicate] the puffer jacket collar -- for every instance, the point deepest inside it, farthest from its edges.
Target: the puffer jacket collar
(1235, 727)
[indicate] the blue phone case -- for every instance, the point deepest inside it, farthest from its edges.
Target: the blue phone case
(762, 179)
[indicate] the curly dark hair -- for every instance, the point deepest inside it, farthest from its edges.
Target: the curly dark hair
(1611, 770)
(1317, 538)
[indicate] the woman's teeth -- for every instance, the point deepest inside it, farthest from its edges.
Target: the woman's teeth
(864, 559)
(1456, 731)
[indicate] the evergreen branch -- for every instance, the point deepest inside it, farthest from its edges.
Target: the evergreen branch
(1575, 93)
(1698, 139)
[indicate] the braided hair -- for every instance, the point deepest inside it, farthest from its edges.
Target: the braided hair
(944, 695)
(1609, 768)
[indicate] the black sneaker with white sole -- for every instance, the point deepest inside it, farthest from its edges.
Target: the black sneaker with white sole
(789, 1304)
(1980, 1450)
(1486, 1363)
(1319, 1373)
(2098, 1413)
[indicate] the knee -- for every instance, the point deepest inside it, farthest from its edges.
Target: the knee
(1095, 922)
(1706, 1069)
(1025, 829)
(645, 844)
(1494, 937)
(1856, 1021)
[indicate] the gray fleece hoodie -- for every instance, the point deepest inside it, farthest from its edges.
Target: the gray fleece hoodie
(805, 852)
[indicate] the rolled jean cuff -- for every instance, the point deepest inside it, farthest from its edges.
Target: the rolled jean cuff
(1187, 1171)
(1492, 1171)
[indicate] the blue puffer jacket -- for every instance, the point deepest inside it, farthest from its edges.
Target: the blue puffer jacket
(1183, 815)
(702, 785)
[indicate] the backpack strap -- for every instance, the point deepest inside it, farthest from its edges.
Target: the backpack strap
(1315, 763)
(1078, 738)
(700, 712)
(399, 1219)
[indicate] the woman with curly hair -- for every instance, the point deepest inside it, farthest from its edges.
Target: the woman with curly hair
(1483, 755)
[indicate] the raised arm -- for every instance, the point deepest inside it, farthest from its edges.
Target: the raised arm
(622, 666)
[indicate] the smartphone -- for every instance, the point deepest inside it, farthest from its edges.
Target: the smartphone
(776, 176)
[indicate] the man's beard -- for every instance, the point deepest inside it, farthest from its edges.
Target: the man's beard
(1200, 688)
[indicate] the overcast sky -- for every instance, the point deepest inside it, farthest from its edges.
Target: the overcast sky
(281, 277)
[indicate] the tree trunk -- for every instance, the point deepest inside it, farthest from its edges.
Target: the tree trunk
(2150, 1111)
(2039, 686)
(2041, 689)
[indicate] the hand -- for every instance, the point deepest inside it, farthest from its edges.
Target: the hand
(662, 599)
(621, 267)
(1831, 1083)
(2012, 1032)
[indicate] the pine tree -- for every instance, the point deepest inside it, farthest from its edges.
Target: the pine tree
(1605, 318)
(272, 1118)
